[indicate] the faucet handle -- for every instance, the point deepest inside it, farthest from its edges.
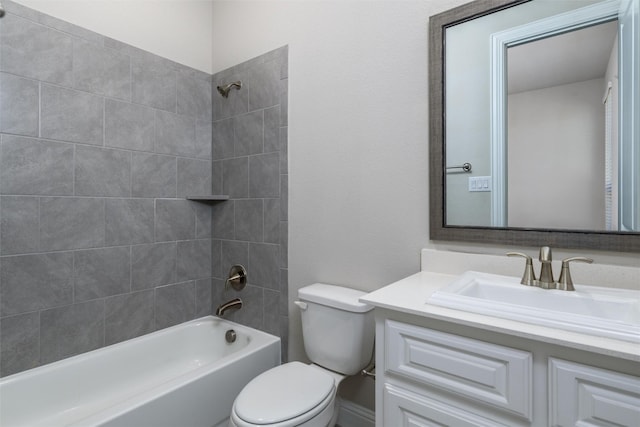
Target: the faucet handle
(528, 277)
(565, 283)
(237, 278)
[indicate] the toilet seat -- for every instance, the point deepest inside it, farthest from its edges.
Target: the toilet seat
(287, 392)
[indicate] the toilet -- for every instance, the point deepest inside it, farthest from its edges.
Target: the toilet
(338, 333)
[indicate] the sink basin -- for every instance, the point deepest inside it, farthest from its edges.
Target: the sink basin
(606, 312)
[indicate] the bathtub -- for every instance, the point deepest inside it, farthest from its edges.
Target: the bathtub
(186, 375)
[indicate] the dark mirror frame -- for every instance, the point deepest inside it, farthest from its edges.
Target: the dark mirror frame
(570, 239)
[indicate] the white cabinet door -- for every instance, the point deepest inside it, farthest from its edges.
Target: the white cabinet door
(488, 373)
(586, 396)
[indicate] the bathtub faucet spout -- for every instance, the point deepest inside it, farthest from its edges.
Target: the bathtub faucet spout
(234, 304)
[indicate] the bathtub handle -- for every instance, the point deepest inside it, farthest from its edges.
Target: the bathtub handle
(237, 278)
(303, 305)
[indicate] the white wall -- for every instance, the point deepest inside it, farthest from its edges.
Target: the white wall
(179, 30)
(556, 157)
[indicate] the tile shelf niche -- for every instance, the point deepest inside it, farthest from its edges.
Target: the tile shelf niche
(207, 199)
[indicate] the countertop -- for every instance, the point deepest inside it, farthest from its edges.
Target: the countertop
(410, 296)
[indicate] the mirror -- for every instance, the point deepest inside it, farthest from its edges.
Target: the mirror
(482, 112)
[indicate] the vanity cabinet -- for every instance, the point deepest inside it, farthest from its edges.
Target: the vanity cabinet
(434, 373)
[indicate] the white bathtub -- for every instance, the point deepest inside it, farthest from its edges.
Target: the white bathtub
(182, 376)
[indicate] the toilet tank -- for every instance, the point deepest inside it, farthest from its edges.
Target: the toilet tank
(338, 330)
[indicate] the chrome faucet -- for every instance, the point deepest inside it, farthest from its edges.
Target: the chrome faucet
(234, 304)
(546, 281)
(546, 272)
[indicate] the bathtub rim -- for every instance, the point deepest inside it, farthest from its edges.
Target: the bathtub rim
(259, 340)
(264, 340)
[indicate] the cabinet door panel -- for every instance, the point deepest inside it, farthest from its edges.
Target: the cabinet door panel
(587, 396)
(403, 408)
(489, 373)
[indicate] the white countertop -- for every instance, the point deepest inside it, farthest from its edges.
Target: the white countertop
(410, 296)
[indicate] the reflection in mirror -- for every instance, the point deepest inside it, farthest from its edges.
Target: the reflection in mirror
(561, 144)
(545, 153)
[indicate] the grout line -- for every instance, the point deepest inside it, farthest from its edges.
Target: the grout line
(104, 321)
(104, 122)
(130, 78)
(73, 277)
(39, 224)
(130, 176)
(131, 269)
(39, 109)
(155, 312)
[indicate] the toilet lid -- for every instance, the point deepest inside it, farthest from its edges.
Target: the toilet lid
(282, 393)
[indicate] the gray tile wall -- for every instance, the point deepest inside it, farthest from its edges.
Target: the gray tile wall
(250, 165)
(99, 144)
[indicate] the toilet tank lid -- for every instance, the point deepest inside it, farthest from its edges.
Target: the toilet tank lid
(334, 296)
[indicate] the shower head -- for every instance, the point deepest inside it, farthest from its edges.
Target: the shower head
(224, 90)
(1, 10)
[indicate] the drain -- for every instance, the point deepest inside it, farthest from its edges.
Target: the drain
(230, 336)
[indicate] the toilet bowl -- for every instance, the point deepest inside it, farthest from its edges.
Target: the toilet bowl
(338, 333)
(293, 394)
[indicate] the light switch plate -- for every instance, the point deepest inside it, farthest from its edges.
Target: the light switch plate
(480, 183)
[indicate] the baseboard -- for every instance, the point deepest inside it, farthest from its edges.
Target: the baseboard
(354, 415)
